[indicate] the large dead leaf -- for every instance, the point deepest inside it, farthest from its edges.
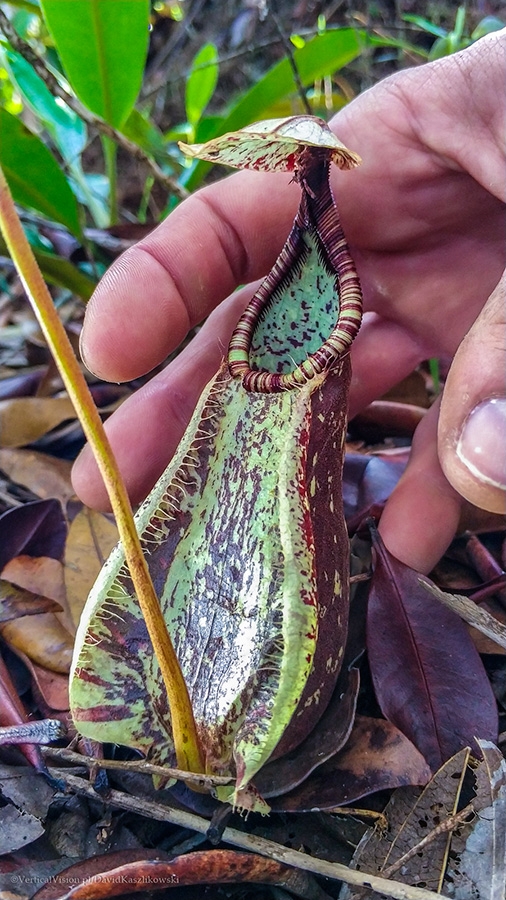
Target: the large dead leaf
(41, 575)
(43, 638)
(46, 476)
(35, 529)
(50, 689)
(411, 815)
(376, 757)
(17, 828)
(16, 602)
(427, 674)
(114, 874)
(25, 419)
(91, 538)
(478, 861)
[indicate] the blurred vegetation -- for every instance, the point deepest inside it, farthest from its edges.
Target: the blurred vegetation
(94, 97)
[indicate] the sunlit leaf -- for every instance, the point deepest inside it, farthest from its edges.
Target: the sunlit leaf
(63, 124)
(201, 82)
(90, 540)
(34, 177)
(102, 46)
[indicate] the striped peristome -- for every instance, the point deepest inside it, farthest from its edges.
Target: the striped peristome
(317, 221)
(244, 532)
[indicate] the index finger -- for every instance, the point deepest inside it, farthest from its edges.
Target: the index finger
(222, 236)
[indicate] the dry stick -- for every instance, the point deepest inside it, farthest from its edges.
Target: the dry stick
(140, 766)
(52, 83)
(470, 613)
(42, 731)
(293, 65)
(188, 752)
(260, 845)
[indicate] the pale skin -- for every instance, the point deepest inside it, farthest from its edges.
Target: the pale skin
(425, 219)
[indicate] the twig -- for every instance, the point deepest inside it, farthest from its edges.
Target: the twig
(293, 65)
(52, 83)
(256, 844)
(449, 824)
(40, 732)
(140, 766)
(472, 614)
(169, 46)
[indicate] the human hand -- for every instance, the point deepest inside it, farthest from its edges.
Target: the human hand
(424, 217)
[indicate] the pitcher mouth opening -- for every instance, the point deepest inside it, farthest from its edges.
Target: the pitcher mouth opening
(309, 363)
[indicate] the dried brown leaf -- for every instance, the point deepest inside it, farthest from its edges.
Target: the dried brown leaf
(43, 638)
(16, 602)
(91, 538)
(17, 829)
(377, 756)
(26, 419)
(46, 476)
(478, 866)
(474, 615)
(413, 814)
(41, 575)
(107, 876)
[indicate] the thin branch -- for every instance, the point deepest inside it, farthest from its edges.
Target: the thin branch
(53, 85)
(293, 65)
(140, 766)
(449, 824)
(468, 611)
(256, 844)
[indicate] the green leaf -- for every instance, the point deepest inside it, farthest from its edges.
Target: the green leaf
(298, 41)
(29, 5)
(60, 271)
(102, 46)
(67, 130)
(325, 53)
(201, 82)
(145, 134)
(425, 25)
(486, 26)
(34, 177)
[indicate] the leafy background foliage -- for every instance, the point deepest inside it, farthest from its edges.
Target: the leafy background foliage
(88, 141)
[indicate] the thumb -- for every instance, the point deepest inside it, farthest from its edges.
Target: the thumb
(472, 423)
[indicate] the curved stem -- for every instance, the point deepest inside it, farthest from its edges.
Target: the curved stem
(188, 752)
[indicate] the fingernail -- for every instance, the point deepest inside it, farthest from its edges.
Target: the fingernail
(482, 444)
